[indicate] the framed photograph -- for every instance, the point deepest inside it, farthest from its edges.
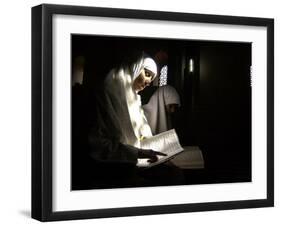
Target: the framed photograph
(140, 112)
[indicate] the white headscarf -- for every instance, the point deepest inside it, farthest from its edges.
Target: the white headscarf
(143, 62)
(126, 103)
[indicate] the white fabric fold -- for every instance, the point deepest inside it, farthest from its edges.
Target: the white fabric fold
(155, 109)
(127, 109)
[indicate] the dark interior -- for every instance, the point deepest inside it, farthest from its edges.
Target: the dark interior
(216, 98)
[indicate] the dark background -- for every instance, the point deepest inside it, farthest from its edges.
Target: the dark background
(216, 97)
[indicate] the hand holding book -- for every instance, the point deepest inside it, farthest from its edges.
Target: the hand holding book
(166, 143)
(150, 155)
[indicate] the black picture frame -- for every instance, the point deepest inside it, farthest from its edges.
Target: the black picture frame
(42, 106)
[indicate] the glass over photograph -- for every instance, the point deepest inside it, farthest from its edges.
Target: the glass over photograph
(159, 112)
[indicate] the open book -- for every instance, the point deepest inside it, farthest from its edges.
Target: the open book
(166, 142)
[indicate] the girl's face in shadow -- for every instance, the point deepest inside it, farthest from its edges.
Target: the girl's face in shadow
(143, 80)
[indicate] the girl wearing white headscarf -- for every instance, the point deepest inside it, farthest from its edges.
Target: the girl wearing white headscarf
(122, 86)
(121, 121)
(114, 140)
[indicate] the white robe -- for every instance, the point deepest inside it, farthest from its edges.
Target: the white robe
(126, 106)
(155, 109)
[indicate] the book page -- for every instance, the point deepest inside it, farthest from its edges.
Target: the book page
(166, 142)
